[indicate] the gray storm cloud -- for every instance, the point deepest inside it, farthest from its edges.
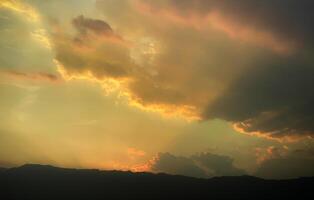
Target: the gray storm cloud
(201, 165)
(246, 62)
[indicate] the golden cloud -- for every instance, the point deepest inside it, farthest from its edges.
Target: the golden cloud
(22, 8)
(188, 68)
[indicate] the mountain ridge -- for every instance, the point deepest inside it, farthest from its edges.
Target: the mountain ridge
(33, 181)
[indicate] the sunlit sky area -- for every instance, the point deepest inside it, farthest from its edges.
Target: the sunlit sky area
(194, 87)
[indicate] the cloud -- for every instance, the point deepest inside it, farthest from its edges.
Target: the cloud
(279, 26)
(308, 152)
(295, 164)
(31, 76)
(246, 62)
(171, 164)
(89, 56)
(83, 25)
(273, 100)
(271, 152)
(93, 49)
(95, 29)
(133, 152)
(201, 165)
(22, 8)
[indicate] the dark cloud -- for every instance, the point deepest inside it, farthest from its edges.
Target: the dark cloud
(289, 19)
(274, 98)
(201, 165)
(93, 29)
(83, 25)
(307, 152)
(171, 164)
(217, 165)
(295, 164)
(95, 49)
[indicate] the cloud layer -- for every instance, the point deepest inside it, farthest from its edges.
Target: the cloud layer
(246, 62)
(202, 165)
(295, 164)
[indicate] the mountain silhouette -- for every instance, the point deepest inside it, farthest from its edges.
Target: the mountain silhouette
(34, 182)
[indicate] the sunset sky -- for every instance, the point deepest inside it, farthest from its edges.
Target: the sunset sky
(194, 87)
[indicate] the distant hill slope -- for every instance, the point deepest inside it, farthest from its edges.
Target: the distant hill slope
(34, 182)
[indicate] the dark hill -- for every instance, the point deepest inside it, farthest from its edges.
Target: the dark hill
(32, 182)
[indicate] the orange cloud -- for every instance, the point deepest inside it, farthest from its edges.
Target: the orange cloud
(143, 167)
(240, 127)
(132, 152)
(271, 152)
(245, 33)
(217, 20)
(146, 167)
(167, 14)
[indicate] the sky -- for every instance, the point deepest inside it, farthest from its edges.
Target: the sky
(199, 88)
